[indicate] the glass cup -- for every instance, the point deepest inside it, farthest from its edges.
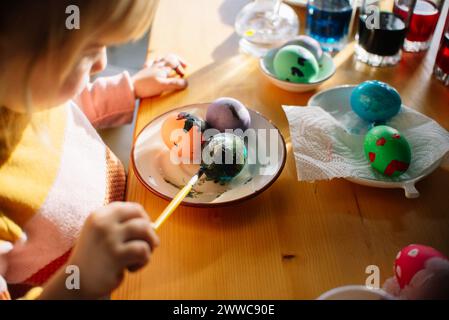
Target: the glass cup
(328, 22)
(441, 69)
(381, 33)
(422, 23)
(265, 24)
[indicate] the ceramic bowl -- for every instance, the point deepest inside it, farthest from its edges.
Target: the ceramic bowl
(327, 70)
(355, 292)
(156, 171)
(336, 101)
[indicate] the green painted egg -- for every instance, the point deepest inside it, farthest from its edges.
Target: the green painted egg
(295, 64)
(223, 157)
(387, 151)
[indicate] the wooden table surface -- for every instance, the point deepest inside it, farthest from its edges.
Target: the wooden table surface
(297, 239)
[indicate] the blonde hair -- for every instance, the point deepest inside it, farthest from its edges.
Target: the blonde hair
(32, 30)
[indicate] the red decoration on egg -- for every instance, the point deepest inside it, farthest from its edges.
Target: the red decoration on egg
(412, 259)
(396, 136)
(394, 166)
(381, 141)
(372, 156)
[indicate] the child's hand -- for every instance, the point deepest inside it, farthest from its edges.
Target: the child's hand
(116, 237)
(158, 76)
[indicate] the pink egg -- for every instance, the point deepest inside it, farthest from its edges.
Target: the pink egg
(412, 259)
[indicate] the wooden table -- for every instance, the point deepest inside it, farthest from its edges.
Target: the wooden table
(297, 239)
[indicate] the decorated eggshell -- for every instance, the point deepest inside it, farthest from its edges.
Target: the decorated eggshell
(375, 101)
(295, 64)
(183, 132)
(310, 44)
(412, 259)
(228, 113)
(224, 156)
(387, 151)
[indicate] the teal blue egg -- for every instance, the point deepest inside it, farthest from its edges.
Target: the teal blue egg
(375, 101)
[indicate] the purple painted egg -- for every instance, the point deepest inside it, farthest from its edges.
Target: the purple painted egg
(228, 113)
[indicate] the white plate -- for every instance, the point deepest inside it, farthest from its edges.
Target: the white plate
(336, 101)
(327, 70)
(301, 3)
(152, 165)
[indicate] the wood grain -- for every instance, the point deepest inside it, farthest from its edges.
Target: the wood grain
(296, 240)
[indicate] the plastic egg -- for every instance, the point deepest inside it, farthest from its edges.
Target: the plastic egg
(224, 157)
(375, 101)
(310, 44)
(183, 132)
(295, 64)
(387, 151)
(228, 113)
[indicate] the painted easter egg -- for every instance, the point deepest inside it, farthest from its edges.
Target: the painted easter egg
(183, 132)
(387, 151)
(375, 101)
(228, 113)
(310, 44)
(223, 157)
(412, 259)
(295, 64)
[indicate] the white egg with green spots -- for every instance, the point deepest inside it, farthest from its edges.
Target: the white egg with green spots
(295, 64)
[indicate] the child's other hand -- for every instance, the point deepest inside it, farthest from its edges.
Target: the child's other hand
(118, 236)
(158, 76)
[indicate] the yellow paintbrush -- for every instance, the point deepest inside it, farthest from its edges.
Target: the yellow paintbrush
(225, 146)
(177, 200)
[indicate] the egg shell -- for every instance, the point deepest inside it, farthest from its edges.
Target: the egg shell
(184, 142)
(387, 150)
(375, 101)
(295, 64)
(310, 44)
(224, 156)
(228, 113)
(412, 259)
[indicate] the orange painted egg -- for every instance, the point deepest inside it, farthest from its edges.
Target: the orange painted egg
(183, 132)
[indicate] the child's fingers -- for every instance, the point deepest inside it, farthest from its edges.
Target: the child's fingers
(173, 83)
(135, 254)
(183, 62)
(125, 211)
(176, 63)
(173, 60)
(140, 229)
(148, 63)
(180, 60)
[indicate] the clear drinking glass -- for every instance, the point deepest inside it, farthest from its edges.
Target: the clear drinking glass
(265, 24)
(441, 69)
(328, 22)
(422, 24)
(381, 32)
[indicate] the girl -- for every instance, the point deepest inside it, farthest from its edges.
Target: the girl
(59, 183)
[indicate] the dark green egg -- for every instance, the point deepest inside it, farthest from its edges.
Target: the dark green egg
(223, 157)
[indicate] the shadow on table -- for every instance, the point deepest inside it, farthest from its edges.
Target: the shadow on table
(228, 12)
(398, 212)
